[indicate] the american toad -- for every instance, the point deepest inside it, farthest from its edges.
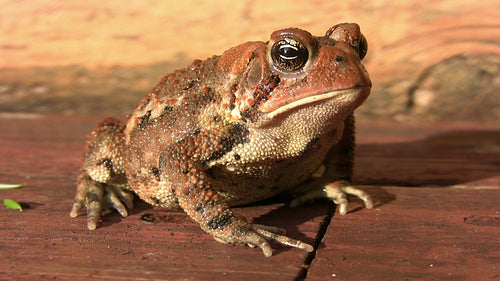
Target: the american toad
(255, 122)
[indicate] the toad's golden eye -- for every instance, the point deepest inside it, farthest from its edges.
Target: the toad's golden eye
(289, 55)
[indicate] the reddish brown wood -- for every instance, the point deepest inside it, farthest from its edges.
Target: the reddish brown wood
(446, 226)
(44, 242)
(432, 60)
(419, 232)
(415, 234)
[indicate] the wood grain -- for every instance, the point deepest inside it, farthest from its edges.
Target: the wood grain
(437, 216)
(429, 60)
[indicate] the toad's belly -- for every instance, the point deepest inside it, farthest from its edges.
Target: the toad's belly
(241, 183)
(241, 186)
(245, 189)
(257, 182)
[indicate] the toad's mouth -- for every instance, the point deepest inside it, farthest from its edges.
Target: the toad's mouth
(352, 97)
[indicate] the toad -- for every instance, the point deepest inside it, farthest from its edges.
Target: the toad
(256, 122)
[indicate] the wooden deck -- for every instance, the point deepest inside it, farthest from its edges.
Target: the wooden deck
(437, 216)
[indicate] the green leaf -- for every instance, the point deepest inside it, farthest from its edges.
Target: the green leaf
(10, 186)
(12, 204)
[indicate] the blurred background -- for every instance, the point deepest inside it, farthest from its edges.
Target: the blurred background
(428, 60)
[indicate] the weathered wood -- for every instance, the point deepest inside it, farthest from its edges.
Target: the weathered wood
(44, 242)
(441, 222)
(434, 154)
(431, 60)
(415, 234)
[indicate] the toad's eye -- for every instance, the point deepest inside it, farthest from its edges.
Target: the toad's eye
(289, 55)
(361, 46)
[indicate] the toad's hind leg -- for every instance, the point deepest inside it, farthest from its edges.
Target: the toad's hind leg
(102, 183)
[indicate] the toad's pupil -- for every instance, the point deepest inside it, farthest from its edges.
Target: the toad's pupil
(289, 52)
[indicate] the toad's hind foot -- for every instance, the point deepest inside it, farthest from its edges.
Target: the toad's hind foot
(256, 235)
(336, 191)
(98, 198)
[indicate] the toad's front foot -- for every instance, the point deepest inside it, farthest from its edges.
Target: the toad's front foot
(98, 198)
(337, 191)
(256, 235)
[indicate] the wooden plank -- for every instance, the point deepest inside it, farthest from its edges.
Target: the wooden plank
(450, 231)
(43, 242)
(426, 154)
(420, 232)
(415, 234)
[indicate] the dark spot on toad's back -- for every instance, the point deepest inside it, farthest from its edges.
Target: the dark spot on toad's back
(156, 172)
(194, 131)
(166, 111)
(189, 85)
(144, 120)
(234, 88)
(237, 134)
